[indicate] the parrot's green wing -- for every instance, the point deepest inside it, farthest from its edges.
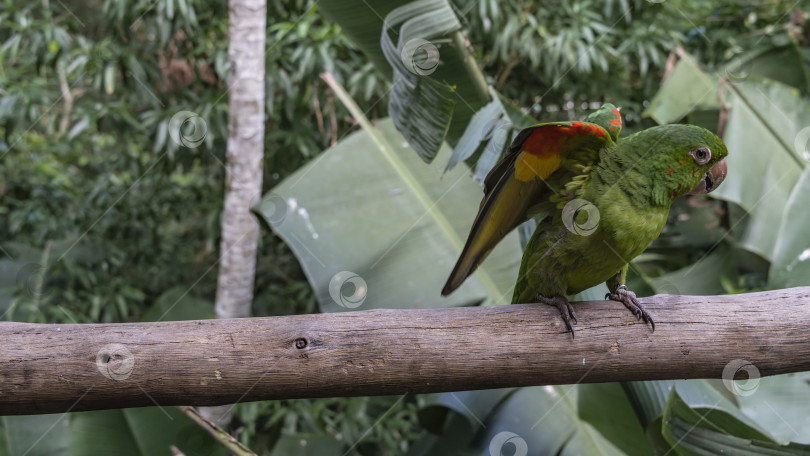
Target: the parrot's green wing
(521, 180)
(607, 117)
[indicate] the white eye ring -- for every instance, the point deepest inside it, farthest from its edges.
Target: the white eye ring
(702, 155)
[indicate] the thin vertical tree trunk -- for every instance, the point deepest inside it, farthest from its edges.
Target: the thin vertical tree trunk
(243, 186)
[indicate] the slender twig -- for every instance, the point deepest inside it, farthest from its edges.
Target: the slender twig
(219, 434)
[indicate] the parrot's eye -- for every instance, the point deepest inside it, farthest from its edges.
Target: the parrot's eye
(702, 155)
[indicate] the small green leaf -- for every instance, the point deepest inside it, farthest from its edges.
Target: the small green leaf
(79, 127)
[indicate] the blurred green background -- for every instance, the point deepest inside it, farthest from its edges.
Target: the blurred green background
(104, 218)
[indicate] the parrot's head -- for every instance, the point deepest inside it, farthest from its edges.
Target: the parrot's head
(685, 159)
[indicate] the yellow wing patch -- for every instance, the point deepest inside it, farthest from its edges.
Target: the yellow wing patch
(529, 166)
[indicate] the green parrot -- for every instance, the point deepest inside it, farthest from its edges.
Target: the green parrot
(598, 201)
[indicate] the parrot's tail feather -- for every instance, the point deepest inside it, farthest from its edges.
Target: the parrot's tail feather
(480, 242)
(464, 267)
(503, 209)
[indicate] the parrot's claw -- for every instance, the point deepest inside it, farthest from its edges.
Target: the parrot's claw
(628, 298)
(565, 308)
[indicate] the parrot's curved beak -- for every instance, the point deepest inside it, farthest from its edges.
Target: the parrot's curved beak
(712, 179)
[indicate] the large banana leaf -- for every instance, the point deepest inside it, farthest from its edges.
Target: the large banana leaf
(708, 430)
(791, 258)
(144, 431)
(779, 404)
(369, 206)
(137, 432)
(765, 119)
(437, 86)
(36, 435)
(764, 136)
(777, 57)
(438, 93)
(694, 89)
(540, 420)
(768, 177)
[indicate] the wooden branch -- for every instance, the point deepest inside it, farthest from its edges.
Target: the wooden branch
(57, 368)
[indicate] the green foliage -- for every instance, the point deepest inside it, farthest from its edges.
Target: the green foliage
(105, 217)
(574, 52)
(104, 178)
(340, 425)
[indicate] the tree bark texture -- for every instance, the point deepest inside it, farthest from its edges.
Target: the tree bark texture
(56, 368)
(240, 231)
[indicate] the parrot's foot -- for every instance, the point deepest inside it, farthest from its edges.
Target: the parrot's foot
(565, 308)
(628, 298)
